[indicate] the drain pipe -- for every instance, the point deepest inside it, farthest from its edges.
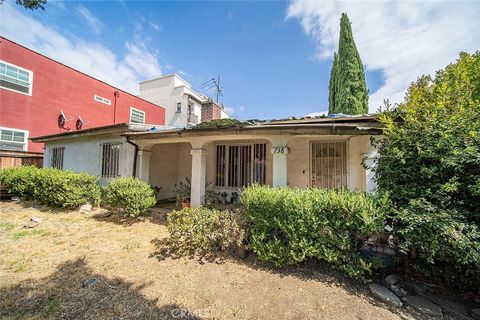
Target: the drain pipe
(134, 173)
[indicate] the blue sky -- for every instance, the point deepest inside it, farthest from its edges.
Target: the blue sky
(273, 57)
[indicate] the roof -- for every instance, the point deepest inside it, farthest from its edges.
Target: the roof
(119, 128)
(83, 73)
(365, 124)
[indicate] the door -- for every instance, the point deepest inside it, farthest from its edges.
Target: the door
(329, 164)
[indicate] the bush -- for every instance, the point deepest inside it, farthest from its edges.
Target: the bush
(440, 243)
(203, 232)
(130, 196)
(288, 226)
(56, 188)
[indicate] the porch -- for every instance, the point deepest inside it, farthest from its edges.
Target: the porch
(227, 160)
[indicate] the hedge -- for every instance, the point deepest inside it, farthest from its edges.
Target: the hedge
(129, 196)
(56, 188)
(288, 226)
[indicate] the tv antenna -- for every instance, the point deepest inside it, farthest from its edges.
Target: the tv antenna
(213, 84)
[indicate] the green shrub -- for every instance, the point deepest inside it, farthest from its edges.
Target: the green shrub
(439, 241)
(288, 226)
(20, 181)
(130, 196)
(203, 232)
(56, 188)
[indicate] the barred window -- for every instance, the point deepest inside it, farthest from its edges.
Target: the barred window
(110, 159)
(240, 165)
(329, 164)
(56, 160)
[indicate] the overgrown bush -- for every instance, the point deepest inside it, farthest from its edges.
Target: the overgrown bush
(203, 232)
(288, 226)
(441, 243)
(130, 196)
(430, 164)
(56, 188)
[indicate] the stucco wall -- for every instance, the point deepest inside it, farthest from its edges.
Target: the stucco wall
(169, 164)
(84, 155)
(299, 166)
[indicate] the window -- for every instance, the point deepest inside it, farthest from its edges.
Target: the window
(15, 78)
(13, 139)
(179, 107)
(137, 116)
(240, 165)
(110, 159)
(102, 100)
(329, 164)
(56, 160)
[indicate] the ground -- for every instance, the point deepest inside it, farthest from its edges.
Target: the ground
(43, 269)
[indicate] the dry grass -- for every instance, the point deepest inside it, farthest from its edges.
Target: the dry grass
(42, 271)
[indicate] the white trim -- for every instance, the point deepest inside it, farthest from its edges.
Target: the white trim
(138, 110)
(25, 132)
(30, 88)
(102, 99)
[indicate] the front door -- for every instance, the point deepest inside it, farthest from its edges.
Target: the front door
(329, 164)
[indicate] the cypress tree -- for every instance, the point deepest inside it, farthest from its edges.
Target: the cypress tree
(333, 85)
(350, 94)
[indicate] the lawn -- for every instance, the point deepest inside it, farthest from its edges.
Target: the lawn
(43, 269)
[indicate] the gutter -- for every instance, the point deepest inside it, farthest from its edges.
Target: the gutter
(135, 156)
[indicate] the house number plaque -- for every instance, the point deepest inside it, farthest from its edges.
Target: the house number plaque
(280, 150)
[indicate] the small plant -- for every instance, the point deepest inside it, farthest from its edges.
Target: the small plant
(183, 191)
(130, 196)
(203, 232)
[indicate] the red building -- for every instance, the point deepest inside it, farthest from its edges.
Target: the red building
(40, 96)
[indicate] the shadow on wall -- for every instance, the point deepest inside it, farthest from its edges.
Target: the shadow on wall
(65, 295)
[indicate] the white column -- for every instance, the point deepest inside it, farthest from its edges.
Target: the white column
(279, 152)
(199, 167)
(370, 162)
(143, 165)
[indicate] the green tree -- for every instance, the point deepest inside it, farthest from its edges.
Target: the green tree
(30, 4)
(350, 94)
(333, 85)
(433, 152)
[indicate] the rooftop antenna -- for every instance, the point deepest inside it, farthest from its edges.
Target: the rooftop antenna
(213, 84)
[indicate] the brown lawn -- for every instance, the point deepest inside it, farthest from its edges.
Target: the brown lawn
(42, 271)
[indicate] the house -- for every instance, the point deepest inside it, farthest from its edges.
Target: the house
(184, 107)
(40, 96)
(311, 152)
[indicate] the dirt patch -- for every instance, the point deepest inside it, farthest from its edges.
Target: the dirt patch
(43, 271)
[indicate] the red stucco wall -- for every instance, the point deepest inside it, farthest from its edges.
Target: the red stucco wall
(57, 87)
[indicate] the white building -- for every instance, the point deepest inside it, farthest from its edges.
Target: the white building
(318, 152)
(184, 107)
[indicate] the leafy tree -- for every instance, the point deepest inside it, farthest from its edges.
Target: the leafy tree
(30, 4)
(348, 89)
(434, 151)
(333, 85)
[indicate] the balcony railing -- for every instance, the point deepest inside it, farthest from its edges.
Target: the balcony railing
(192, 118)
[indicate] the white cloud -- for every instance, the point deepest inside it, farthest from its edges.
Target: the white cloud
(154, 25)
(90, 57)
(95, 24)
(401, 39)
(317, 114)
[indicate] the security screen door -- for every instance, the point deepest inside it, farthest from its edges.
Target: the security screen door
(329, 164)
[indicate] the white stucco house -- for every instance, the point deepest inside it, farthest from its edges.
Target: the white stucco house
(310, 152)
(184, 107)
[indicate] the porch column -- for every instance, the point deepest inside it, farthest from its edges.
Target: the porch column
(370, 162)
(199, 166)
(143, 165)
(279, 153)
